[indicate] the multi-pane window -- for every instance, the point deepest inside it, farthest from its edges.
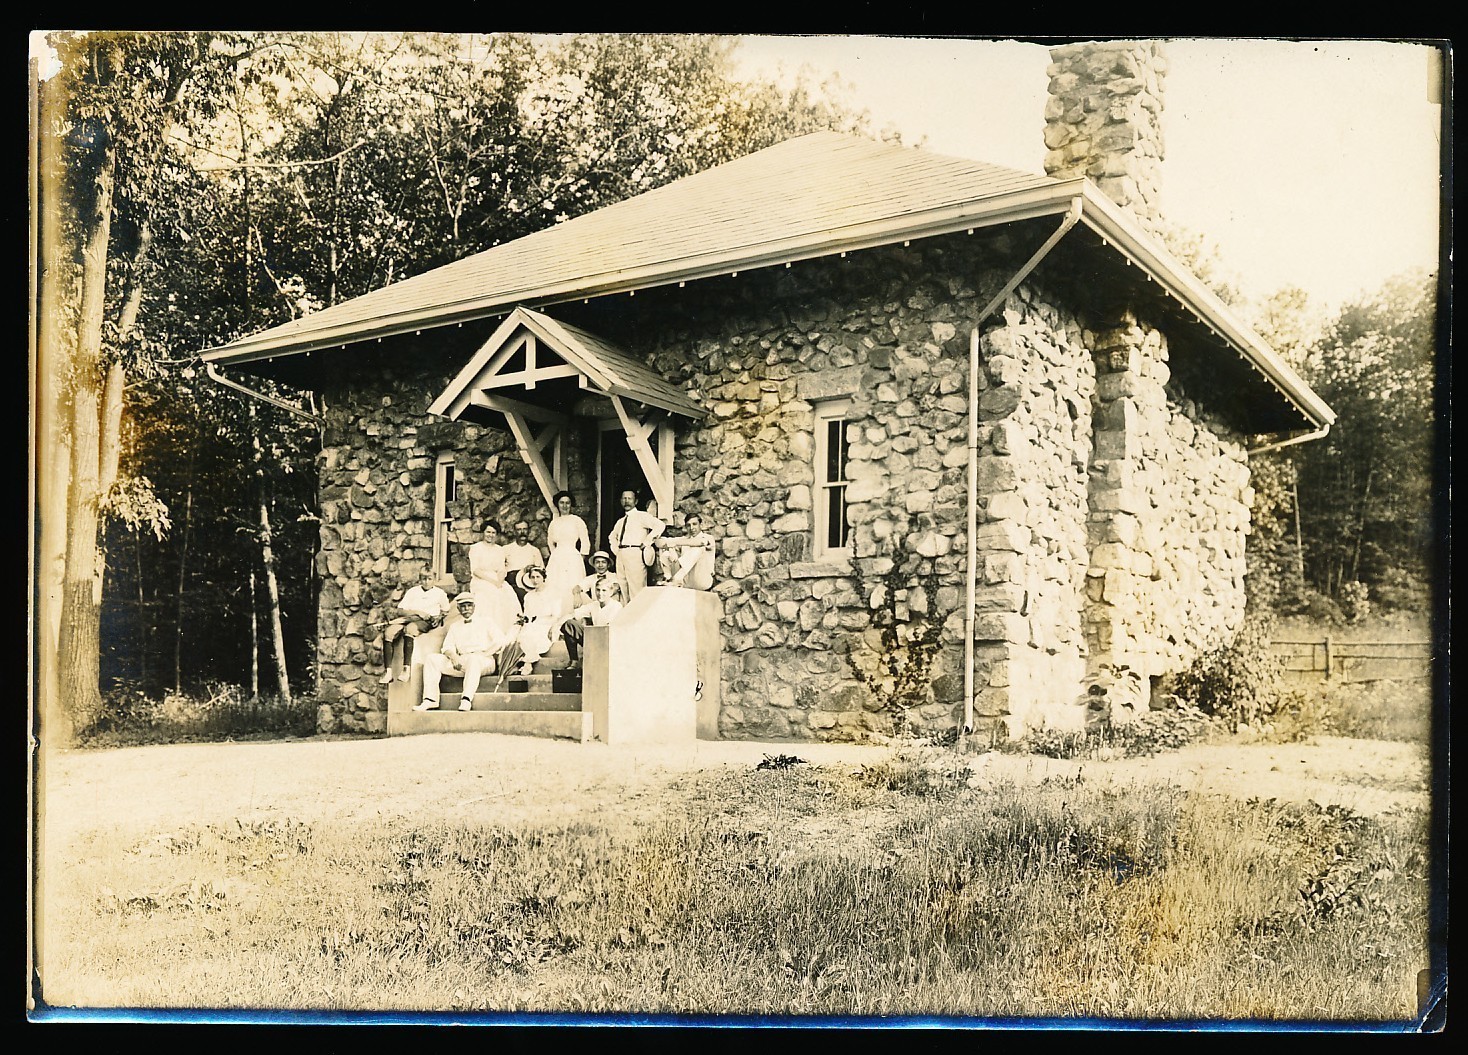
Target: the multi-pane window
(832, 532)
(445, 487)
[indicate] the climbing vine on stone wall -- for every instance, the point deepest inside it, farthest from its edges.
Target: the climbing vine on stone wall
(899, 673)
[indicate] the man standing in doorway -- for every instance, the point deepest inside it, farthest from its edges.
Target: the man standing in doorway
(631, 540)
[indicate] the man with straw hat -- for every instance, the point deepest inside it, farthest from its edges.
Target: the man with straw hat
(472, 648)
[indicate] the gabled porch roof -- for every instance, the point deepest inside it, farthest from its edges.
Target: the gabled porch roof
(535, 372)
(499, 369)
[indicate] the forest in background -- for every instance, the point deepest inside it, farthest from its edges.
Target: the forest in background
(197, 187)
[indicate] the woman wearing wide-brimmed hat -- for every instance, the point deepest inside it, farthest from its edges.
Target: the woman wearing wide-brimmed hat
(543, 617)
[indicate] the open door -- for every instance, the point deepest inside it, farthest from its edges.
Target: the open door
(617, 470)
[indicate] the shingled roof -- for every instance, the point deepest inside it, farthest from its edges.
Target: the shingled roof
(807, 197)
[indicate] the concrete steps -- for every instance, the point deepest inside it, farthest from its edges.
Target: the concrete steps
(536, 712)
(560, 724)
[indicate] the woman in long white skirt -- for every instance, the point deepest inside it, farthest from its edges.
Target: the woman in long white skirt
(493, 595)
(543, 618)
(569, 544)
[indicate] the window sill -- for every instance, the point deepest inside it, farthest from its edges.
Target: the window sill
(830, 566)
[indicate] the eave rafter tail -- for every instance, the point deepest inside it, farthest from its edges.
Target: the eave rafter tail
(657, 466)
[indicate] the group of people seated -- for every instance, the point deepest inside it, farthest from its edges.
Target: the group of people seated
(518, 604)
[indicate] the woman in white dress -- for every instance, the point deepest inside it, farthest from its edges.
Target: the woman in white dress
(493, 596)
(543, 618)
(569, 544)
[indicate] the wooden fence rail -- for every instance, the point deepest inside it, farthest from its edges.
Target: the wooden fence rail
(1353, 660)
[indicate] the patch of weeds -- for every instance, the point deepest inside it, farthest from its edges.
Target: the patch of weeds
(266, 840)
(1145, 735)
(1346, 864)
(933, 774)
(1376, 710)
(779, 762)
(1239, 681)
(491, 896)
(195, 896)
(184, 841)
(253, 843)
(942, 738)
(1052, 743)
(217, 711)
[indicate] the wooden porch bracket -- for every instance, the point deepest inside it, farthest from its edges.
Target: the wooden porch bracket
(657, 466)
(550, 476)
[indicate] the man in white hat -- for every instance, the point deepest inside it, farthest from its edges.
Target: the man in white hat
(469, 651)
(589, 587)
(599, 598)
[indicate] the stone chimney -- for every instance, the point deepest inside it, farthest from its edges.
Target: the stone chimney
(1104, 120)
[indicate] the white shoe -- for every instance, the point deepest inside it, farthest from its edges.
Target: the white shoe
(466, 704)
(426, 705)
(386, 677)
(403, 676)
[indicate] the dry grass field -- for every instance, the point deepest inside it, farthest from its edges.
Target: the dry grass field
(1272, 881)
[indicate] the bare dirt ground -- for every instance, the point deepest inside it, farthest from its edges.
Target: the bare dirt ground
(489, 778)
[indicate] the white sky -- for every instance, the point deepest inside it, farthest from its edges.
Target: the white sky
(1313, 164)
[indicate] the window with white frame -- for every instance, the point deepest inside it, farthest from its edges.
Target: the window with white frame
(445, 490)
(832, 532)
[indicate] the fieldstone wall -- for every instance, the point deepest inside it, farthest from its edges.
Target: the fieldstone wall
(1034, 452)
(881, 331)
(1111, 518)
(377, 503)
(798, 629)
(1104, 120)
(1169, 515)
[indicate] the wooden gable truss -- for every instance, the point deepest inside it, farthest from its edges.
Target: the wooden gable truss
(530, 349)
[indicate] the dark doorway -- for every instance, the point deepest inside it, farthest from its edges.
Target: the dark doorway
(617, 470)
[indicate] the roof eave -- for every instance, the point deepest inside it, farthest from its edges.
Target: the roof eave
(990, 211)
(1112, 222)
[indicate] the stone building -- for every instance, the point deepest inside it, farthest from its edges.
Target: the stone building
(892, 381)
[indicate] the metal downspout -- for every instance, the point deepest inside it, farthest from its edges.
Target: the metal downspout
(1303, 438)
(264, 397)
(1072, 217)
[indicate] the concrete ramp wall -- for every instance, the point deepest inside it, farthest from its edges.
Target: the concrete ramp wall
(652, 676)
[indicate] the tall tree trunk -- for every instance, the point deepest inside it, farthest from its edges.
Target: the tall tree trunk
(336, 207)
(1361, 527)
(80, 638)
(183, 572)
(110, 453)
(143, 617)
(254, 640)
(272, 599)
